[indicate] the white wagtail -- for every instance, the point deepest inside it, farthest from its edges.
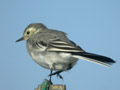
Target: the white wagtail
(52, 49)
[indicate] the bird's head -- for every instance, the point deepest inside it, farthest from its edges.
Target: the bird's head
(31, 30)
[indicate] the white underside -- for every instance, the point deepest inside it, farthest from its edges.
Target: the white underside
(52, 60)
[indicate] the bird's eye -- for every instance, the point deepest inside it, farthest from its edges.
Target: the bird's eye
(28, 32)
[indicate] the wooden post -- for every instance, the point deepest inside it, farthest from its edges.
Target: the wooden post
(47, 85)
(54, 87)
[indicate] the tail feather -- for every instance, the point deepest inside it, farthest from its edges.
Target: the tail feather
(99, 59)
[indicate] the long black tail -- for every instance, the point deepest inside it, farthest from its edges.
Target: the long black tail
(99, 59)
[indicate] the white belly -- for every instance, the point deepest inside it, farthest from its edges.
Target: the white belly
(56, 61)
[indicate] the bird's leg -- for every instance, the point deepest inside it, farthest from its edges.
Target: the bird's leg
(57, 73)
(51, 70)
(50, 80)
(50, 73)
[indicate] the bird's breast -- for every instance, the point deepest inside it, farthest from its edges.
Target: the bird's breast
(59, 61)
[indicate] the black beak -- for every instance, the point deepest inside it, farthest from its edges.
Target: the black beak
(22, 38)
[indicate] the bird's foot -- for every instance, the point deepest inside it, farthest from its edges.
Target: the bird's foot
(56, 73)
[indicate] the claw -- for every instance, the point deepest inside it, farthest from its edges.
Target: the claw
(58, 75)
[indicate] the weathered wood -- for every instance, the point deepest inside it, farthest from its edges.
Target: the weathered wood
(54, 87)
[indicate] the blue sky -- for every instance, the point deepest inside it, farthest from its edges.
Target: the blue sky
(92, 24)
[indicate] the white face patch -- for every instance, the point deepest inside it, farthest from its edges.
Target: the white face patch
(31, 29)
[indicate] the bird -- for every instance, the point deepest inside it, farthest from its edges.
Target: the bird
(53, 50)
